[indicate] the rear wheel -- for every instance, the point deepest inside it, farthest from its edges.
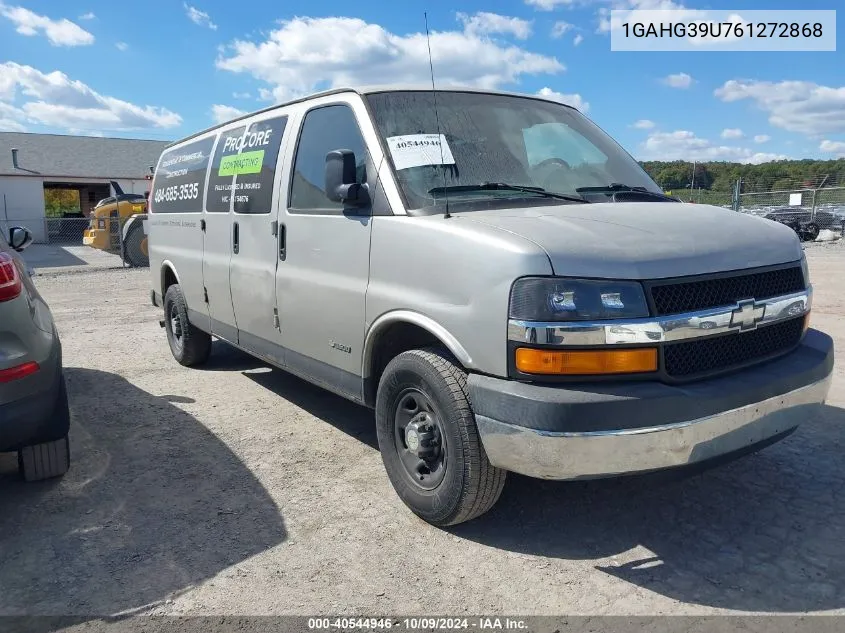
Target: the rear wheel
(189, 345)
(135, 246)
(429, 442)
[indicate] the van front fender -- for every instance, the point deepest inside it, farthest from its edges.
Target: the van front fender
(413, 318)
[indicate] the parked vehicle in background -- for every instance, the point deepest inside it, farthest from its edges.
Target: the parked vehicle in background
(804, 223)
(496, 277)
(113, 227)
(34, 415)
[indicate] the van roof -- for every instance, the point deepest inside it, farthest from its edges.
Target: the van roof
(370, 89)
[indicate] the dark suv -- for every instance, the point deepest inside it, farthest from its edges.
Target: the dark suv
(34, 415)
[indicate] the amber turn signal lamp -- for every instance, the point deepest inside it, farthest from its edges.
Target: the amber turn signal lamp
(586, 362)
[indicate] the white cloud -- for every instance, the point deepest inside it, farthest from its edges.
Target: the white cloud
(797, 106)
(762, 138)
(61, 32)
(549, 5)
(294, 60)
(241, 95)
(198, 17)
(644, 124)
(11, 119)
(831, 147)
(55, 100)
(685, 145)
(680, 80)
(87, 16)
(560, 28)
(223, 113)
(606, 23)
(575, 100)
(122, 46)
(732, 132)
(484, 23)
(578, 39)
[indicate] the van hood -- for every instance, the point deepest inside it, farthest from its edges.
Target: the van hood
(646, 240)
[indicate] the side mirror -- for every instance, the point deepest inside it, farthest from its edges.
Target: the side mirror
(19, 238)
(341, 185)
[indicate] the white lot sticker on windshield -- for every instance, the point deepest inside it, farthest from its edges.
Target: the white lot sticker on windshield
(416, 150)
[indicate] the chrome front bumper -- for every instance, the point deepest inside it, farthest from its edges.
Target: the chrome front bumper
(587, 455)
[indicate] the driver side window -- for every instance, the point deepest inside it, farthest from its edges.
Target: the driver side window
(325, 129)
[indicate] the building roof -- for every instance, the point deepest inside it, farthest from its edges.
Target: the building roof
(62, 156)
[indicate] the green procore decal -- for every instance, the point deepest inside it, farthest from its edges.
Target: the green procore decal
(246, 163)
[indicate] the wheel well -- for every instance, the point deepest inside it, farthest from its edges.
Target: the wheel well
(168, 278)
(392, 341)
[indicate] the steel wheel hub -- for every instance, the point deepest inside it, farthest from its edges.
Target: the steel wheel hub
(420, 441)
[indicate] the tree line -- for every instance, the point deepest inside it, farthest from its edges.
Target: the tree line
(773, 176)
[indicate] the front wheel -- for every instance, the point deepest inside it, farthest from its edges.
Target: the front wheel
(429, 442)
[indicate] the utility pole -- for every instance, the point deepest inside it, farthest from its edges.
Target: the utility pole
(692, 184)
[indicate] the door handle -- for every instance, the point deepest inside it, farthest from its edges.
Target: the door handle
(235, 238)
(283, 247)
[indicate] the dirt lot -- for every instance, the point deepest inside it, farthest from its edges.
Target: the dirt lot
(239, 489)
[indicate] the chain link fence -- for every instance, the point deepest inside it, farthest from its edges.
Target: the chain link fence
(813, 208)
(105, 234)
(807, 210)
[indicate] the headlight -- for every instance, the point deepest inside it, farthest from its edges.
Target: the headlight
(559, 299)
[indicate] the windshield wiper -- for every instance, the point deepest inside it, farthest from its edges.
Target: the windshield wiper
(503, 186)
(616, 187)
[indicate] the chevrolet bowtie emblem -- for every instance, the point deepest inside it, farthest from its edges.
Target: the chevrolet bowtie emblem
(747, 314)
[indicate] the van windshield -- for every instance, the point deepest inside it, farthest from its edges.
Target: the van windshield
(498, 147)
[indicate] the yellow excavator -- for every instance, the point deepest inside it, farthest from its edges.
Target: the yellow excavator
(117, 226)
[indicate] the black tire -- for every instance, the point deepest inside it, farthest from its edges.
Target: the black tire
(189, 345)
(134, 250)
(811, 231)
(468, 486)
(44, 461)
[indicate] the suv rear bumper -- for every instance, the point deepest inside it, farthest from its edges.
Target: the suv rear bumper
(39, 417)
(584, 431)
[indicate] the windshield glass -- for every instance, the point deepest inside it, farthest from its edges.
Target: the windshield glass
(489, 138)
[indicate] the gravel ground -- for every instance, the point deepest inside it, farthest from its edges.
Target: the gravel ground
(237, 489)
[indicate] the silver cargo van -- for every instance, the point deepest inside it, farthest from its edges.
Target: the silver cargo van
(496, 277)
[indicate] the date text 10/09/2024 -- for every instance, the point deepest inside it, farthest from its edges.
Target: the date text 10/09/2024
(417, 623)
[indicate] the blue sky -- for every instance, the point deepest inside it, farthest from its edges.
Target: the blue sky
(164, 68)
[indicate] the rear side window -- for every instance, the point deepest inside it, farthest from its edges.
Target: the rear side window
(180, 178)
(325, 129)
(244, 167)
(256, 170)
(220, 187)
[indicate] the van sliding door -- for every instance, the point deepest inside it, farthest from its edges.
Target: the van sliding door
(252, 270)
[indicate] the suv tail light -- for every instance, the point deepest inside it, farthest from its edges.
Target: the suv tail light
(10, 278)
(18, 372)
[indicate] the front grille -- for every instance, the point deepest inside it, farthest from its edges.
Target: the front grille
(679, 297)
(688, 359)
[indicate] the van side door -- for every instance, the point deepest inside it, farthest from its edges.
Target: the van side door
(324, 270)
(252, 269)
(219, 237)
